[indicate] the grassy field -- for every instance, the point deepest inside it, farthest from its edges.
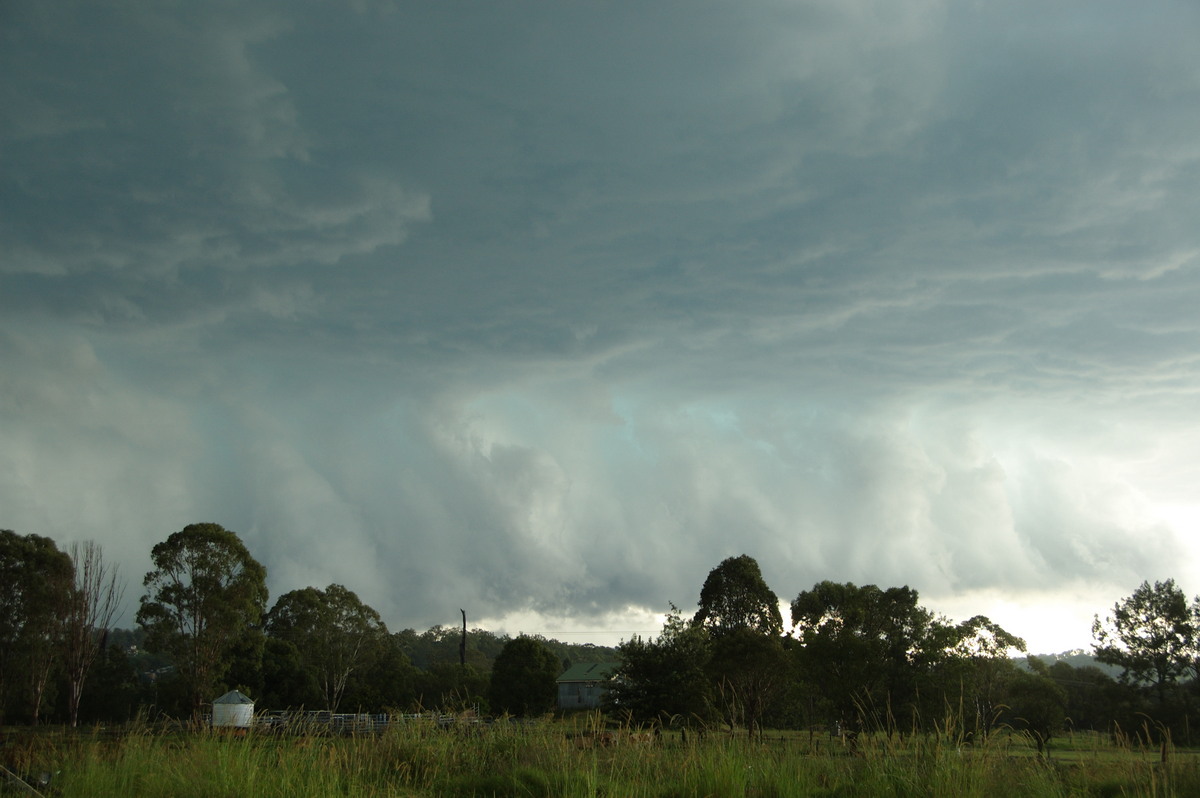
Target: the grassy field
(580, 757)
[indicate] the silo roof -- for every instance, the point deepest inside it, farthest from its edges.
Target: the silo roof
(234, 697)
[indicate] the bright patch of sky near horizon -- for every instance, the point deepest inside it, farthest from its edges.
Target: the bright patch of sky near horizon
(544, 310)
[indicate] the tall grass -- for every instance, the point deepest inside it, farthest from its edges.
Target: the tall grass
(583, 757)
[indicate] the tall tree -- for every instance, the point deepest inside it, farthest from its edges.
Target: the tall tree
(970, 668)
(863, 645)
(94, 598)
(523, 678)
(12, 610)
(748, 671)
(205, 596)
(1151, 635)
(333, 632)
(37, 581)
(735, 596)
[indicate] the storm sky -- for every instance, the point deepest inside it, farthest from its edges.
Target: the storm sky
(542, 310)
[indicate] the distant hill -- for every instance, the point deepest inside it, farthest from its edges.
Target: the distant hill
(1076, 658)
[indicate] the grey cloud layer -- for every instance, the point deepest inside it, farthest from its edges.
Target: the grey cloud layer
(555, 307)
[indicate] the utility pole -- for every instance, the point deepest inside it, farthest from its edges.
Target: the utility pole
(462, 644)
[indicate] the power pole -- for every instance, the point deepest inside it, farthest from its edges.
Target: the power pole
(462, 644)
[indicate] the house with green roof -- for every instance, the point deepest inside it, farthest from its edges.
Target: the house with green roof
(583, 686)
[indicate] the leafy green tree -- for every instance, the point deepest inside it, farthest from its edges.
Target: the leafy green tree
(439, 645)
(114, 689)
(748, 670)
(450, 687)
(977, 637)
(970, 669)
(245, 660)
(386, 681)
(664, 679)
(1194, 653)
(1093, 697)
(1151, 635)
(333, 631)
(37, 580)
(14, 614)
(735, 596)
(287, 683)
(864, 646)
(1034, 703)
(523, 678)
(745, 664)
(205, 597)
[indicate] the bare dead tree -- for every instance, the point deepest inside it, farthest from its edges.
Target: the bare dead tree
(92, 605)
(462, 644)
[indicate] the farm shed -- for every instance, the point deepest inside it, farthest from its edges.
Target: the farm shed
(233, 710)
(585, 684)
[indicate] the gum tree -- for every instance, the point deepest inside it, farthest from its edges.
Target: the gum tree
(333, 631)
(735, 596)
(863, 645)
(36, 579)
(204, 599)
(741, 614)
(1151, 635)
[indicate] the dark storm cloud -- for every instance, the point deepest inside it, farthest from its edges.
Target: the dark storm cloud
(550, 308)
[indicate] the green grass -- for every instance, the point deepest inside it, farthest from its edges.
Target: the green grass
(579, 758)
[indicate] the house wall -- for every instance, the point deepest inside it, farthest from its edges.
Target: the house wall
(579, 695)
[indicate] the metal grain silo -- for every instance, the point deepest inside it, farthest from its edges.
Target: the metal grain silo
(233, 710)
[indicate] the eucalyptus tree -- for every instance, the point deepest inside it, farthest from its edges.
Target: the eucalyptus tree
(36, 579)
(741, 614)
(864, 645)
(970, 668)
(204, 600)
(735, 596)
(748, 671)
(1152, 635)
(333, 631)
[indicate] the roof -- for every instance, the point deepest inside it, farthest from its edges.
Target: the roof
(234, 697)
(589, 672)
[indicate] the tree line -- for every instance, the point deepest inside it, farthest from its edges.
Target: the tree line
(204, 627)
(864, 657)
(855, 657)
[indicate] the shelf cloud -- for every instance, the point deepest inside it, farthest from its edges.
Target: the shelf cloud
(544, 310)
